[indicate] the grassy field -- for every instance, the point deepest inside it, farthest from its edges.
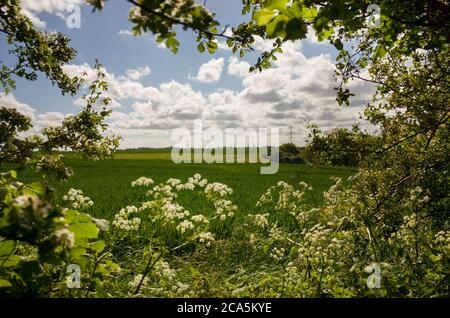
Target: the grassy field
(108, 182)
(224, 266)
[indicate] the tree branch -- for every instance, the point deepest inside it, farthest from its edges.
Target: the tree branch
(183, 23)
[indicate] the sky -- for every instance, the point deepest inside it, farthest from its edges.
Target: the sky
(155, 91)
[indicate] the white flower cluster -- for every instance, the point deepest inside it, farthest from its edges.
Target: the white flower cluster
(443, 239)
(170, 211)
(162, 191)
(192, 182)
(173, 182)
(185, 226)
(179, 288)
(278, 253)
(224, 208)
(200, 219)
(260, 220)
(39, 207)
(410, 221)
(122, 221)
(142, 181)
(318, 245)
(65, 237)
(206, 238)
(416, 196)
(217, 189)
(136, 281)
(163, 270)
(162, 207)
(289, 199)
(77, 200)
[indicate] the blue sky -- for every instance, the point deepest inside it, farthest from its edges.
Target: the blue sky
(155, 91)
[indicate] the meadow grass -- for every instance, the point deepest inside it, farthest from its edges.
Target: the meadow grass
(108, 182)
(232, 260)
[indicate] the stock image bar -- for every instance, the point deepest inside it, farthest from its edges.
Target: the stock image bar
(215, 157)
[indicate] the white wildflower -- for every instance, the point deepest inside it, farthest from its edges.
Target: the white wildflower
(142, 181)
(185, 226)
(65, 237)
(206, 237)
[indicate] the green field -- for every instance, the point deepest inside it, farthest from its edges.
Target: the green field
(108, 182)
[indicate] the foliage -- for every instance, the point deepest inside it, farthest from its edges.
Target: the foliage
(38, 239)
(159, 248)
(420, 24)
(81, 133)
(289, 153)
(394, 212)
(289, 148)
(35, 51)
(341, 146)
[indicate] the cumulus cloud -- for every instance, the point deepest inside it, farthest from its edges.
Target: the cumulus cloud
(10, 101)
(32, 9)
(125, 32)
(138, 73)
(238, 67)
(294, 91)
(211, 71)
(38, 121)
(49, 119)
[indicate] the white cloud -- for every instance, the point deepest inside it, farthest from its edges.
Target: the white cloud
(10, 101)
(238, 67)
(32, 9)
(125, 32)
(138, 73)
(39, 121)
(296, 89)
(211, 71)
(49, 119)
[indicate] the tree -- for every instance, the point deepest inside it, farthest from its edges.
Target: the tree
(420, 24)
(341, 146)
(403, 183)
(31, 224)
(35, 51)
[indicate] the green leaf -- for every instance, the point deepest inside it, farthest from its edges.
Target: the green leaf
(84, 230)
(263, 16)
(309, 13)
(38, 188)
(338, 44)
(325, 34)
(277, 28)
(201, 47)
(6, 247)
(4, 283)
(10, 261)
(296, 29)
(80, 256)
(293, 252)
(212, 46)
(98, 246)
(276, 4)
(172, 44)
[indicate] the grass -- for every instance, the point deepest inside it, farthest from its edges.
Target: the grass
(108, 182)
(230, 262)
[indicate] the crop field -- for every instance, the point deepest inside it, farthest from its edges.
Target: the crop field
(108, 182)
